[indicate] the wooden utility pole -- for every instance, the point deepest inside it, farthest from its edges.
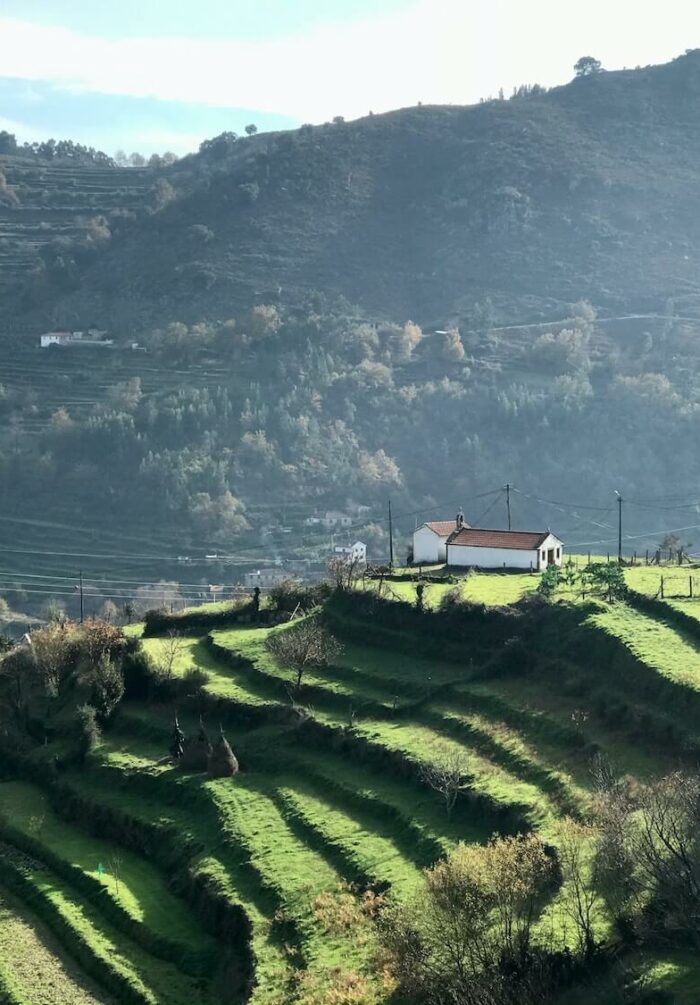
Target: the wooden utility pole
(391, 540)
(619, 527)
(81, 596)
(508, 502)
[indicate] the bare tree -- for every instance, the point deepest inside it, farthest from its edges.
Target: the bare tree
(580, 896)
(305, 646)
(344, 572)
(445, 774)
(170, 649)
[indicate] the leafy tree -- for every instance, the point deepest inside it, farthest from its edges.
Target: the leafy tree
(264, 321)
(251, 129)
(586, 66)
(451, 348)
(469, 927)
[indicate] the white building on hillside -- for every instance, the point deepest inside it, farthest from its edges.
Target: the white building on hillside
(334, 518)
(264, 578)
(356, 552)
(504, 549)
(430, 540)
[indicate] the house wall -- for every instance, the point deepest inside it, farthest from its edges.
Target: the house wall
(509, 558)
(492, 558)
(428, 547)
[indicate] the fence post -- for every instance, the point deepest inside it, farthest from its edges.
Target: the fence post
(589, 557)
(647, 556)
(690, 584)
(662, 587)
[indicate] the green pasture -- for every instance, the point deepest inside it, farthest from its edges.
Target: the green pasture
(34, 968)
(129, 880)
(660, 646)
(344, 803)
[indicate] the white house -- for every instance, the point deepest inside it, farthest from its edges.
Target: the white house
(94, 338)
(264, 578)
(333, 518)
(356, 552)
(504, 549)
(55, 338)
(430, 540)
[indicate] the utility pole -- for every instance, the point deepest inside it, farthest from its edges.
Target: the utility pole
(391, 540)
(508, 502)
(619, 526)
(81, 596)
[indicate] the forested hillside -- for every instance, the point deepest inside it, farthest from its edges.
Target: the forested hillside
(424, 304)
(588, 191)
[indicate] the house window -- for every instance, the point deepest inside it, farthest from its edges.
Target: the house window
(558, 552)
(544, 555)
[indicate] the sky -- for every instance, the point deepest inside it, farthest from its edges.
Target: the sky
(151, 75)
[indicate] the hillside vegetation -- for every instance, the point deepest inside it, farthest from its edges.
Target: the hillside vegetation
(424, 305)
(167, 885)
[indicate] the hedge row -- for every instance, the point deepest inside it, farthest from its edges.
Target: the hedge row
(662, 611)
(159, 622)
(20, 880)
(280, 688)
(424, 848)
(163, 844)
(169, 850)
(193, 963)
(361, 750)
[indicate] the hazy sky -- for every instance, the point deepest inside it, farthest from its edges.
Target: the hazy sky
(152, 75)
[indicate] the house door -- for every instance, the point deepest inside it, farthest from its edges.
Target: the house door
(550, 556)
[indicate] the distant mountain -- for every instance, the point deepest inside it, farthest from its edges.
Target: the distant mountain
(547, 246)
(587, 191)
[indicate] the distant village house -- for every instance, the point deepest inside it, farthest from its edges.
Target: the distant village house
(457, 544)
(264, 578)
(91, 337)
(356, 552)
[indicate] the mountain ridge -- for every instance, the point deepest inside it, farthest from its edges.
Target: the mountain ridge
(585, 191)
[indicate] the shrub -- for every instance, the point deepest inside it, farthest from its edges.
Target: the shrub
(192, 682)
(290, 594)
(88, 729)
(140, 676)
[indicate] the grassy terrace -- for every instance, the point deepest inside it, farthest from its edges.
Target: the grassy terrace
(493, 589)
(656, 644)
(33, 966)
(131, 882)
(331, 790)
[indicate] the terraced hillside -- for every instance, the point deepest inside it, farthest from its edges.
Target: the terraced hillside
(44, 202)
(165, 886)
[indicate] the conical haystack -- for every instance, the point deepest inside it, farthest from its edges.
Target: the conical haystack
(196, 751)
(222, 760)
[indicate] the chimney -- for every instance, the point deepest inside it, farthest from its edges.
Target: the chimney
(460, 520)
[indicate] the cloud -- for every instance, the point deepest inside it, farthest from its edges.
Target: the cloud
(436, 51)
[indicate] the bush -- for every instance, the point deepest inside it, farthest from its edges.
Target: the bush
(290, 594)
(88, 730)
(140, 676)
(192, 682)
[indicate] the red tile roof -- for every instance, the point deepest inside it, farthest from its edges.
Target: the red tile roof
(520, 540)
(443, 527)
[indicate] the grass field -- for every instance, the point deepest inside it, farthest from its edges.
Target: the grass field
(331, 796)
(34, 969)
